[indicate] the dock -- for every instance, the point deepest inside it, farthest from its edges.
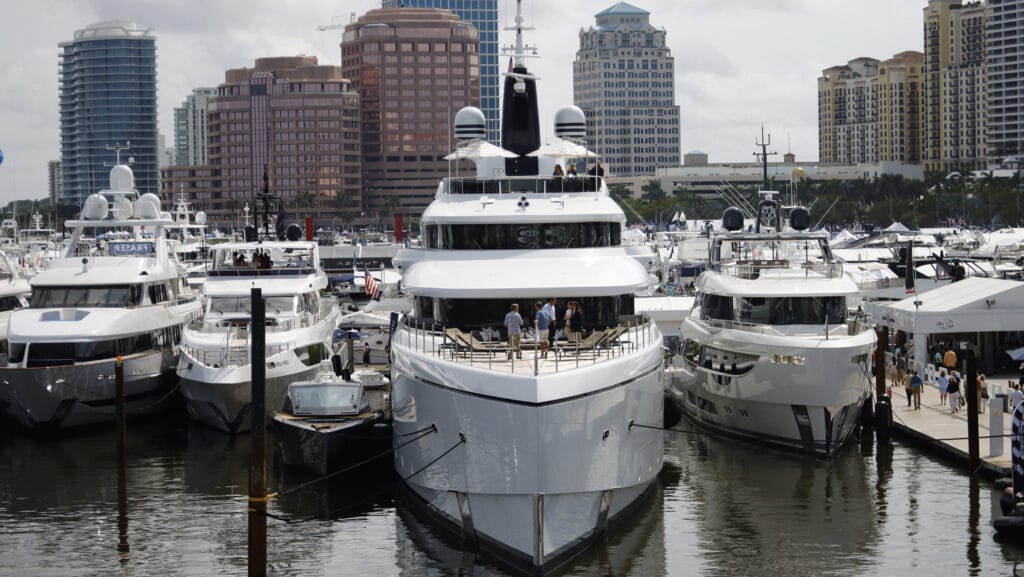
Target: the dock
(935, 427)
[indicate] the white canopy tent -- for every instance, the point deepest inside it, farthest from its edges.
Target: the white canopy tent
(973, 305)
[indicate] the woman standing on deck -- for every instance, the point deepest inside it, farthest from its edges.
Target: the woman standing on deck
(954, 392)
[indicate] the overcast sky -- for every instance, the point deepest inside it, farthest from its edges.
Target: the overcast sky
(739, 63)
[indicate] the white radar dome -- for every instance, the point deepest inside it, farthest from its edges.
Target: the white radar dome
(148, 207)
(470, 124)
(121, 178)
(570, 122)
(122, 208)
(200, 217)
(95, 207)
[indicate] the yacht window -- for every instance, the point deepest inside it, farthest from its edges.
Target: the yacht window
(278, 305)
(716, 307)
(792, 310)
(101, 296)
(598, 312)
(242, 305)
(17, 352)
(524, 236)
(313, 354)
(9, 303)
(157, 293)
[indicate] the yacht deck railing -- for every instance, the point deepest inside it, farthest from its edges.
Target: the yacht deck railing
(523, 184)
(630, 335)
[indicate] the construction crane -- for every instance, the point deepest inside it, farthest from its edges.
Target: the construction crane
(326, 27)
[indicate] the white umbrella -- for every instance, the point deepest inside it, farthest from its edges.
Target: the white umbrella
(562, 148)
(478, 149)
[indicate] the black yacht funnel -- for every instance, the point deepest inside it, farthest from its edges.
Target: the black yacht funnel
(520, 122)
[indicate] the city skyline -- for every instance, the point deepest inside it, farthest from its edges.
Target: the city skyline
(739, 63)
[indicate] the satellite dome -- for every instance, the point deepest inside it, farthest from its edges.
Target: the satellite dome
(732, 219)
(148, 207)
(121, 178)
(570, 122)
(200, 217)
(122, 208)
(800, 218)
(470, 124)
(95, 207)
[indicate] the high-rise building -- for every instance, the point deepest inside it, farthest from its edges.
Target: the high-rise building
(623, 79)
(954, 108)
(291, 118)
(848, 112)
(414, 69)
(900, 83)
(483, 15)
(53, 182)
(1005, 67)
(107, 78)
(190, 128)
(870, 111)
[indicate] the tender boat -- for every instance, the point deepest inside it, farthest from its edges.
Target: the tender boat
(769, 353)
(531, 459)
(332, 422)
(125, 298)
(215, 368)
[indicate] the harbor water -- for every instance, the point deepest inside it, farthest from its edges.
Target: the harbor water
(721, 509)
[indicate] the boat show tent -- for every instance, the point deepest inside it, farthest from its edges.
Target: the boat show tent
(897, 227)
(973, 305)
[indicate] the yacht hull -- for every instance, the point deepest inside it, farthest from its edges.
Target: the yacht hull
(533, 483)
(811, 407)
(221, 398)
(79, 395)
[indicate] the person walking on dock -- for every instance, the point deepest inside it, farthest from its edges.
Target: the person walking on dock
(908, 388)
(915, 385)
(949, 359)
(954, 392)
(943, 383)
(1016, 396)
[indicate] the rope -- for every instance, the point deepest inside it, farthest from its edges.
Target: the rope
(387, 488)
(422, 433)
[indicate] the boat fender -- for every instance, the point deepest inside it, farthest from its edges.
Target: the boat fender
(336, 364)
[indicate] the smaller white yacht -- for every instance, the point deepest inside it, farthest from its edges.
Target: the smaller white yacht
(769, 353)
(14, 293)
(215, 368)
(125, 298)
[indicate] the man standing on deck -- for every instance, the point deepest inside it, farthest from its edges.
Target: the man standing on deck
(549, 309)
(514, 326)
(915, 386)
(1016, 396)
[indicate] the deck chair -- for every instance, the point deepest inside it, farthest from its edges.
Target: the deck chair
(611, 335)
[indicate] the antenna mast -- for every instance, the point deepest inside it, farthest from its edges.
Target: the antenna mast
(763, 155)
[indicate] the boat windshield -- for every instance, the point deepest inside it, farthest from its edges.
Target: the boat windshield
(242, 305)
(326, 399)
(101, 296)
(811, 310)
(523, 235)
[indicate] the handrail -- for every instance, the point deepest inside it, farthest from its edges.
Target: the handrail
(631, 334)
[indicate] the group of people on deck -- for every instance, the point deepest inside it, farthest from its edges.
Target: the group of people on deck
(546, 324)
(570, 170)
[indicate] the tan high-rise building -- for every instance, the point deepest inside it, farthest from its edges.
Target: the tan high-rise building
(900, 80)
(954, 87)
(848, 112)
(291, 117)
(414, 69)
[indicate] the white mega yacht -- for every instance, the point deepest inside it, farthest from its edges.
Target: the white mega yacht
(532, 458)
(769, 353)
(124, 298)
(215, 368)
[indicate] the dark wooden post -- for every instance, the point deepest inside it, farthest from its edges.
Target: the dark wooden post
(258, 464)
(883, 404)
(122, 458)
(973, 452)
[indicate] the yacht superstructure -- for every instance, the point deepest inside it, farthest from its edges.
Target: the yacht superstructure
(531, 457)
(769, 353)
(215, 368)
(122, 298)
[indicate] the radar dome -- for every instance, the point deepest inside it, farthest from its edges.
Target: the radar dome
(732, 219)
(148, 207)
(121, 178)
(166, 216)
(122, 208)
(799, 218)
(200, 217)
(293, 232)
(95, 207)
(570, 122)
(470, 124)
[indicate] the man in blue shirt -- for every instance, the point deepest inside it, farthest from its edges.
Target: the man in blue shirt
(916, 384)
(549, 309)
(514, 326)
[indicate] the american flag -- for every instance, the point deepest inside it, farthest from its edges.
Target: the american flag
(372, 287)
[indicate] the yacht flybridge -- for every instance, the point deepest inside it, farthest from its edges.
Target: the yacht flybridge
(125, 297)
(770, 354)
(530, 458)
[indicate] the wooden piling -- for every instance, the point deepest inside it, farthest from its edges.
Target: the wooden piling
(122, 462)
(258, 460)
(973, 452)
(883, 404)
